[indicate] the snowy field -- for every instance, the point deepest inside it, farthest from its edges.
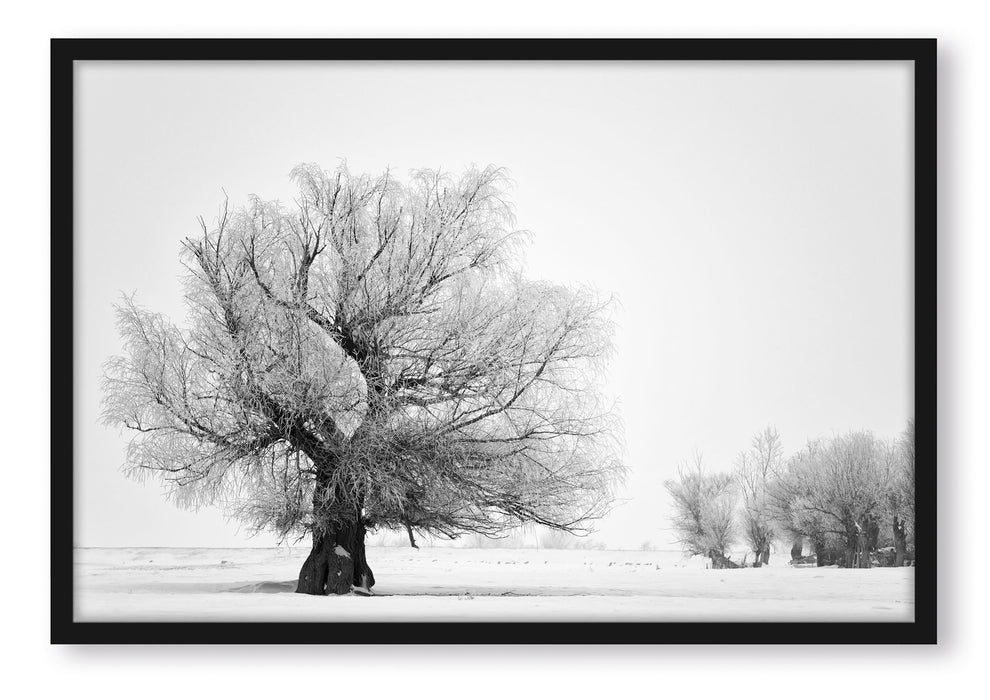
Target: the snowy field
(452, 584)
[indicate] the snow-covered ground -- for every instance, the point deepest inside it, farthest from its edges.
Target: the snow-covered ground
(451, 584)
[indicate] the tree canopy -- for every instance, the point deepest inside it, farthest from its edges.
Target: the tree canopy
(372, 350)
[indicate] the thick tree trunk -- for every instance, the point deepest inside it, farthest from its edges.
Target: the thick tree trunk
(337, 563)
(761, 556)
(872, 533)
(363, 578)
(900, 542)
(821, 556)
(849, 553)
(857, 552)
(324, 570)
(863, 559)
(797, 548)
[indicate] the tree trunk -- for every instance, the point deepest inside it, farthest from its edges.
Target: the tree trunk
(857, 552)
(849, 552)
(821, 556)
(900, 542)
(863, 552)
(337, 563)
(363, 579)
(797, 548)
(716, 559)
(872, 533)
(762, 556)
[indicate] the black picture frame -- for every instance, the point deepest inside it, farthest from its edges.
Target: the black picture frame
(922, 52)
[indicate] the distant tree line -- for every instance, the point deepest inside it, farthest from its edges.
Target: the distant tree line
(850, 497)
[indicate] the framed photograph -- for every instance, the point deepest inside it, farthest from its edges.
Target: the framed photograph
(494, 341)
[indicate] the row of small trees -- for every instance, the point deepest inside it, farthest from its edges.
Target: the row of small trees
(848, 496)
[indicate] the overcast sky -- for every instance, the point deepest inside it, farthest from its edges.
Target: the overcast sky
(753, 219)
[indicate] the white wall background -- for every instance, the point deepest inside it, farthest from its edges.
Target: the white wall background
(964, 342)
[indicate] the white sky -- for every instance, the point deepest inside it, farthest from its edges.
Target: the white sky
(754, 219)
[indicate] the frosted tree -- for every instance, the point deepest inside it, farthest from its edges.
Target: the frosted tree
(755, 469)
(791, 498)
(704, 511)
(834, 493)
(371, 357)
(900, 495)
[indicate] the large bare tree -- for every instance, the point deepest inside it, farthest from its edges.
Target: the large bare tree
(371, 357)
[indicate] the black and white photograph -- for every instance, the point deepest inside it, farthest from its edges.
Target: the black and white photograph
(501, 341)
